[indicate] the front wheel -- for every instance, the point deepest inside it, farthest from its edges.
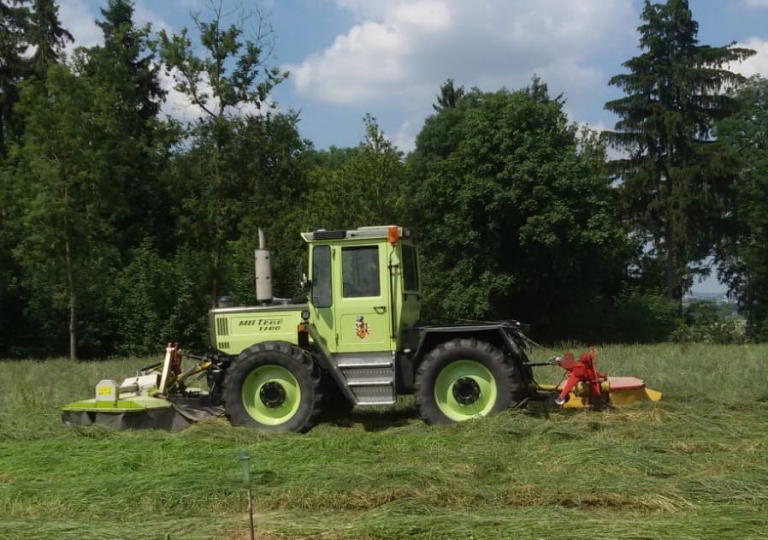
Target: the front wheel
(273, 387)
(463, 379)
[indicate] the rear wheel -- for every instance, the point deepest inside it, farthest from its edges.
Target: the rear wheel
(273, 387)
(463, 379)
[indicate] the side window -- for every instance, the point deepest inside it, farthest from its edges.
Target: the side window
(322, 296)
(410, 269)
(360, 271)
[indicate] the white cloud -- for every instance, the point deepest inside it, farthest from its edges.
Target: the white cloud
(78, 19)
(142, 14)
(401, 50)
(429, 15)
(404, 139)
(757, 64)
(178, 105)
(597, 127)
(76, 16)
(756, 3)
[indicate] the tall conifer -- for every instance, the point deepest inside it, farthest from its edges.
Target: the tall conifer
(675, 178)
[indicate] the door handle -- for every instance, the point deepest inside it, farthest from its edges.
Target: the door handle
(380, 309)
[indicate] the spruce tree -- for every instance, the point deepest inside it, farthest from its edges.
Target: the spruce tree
(675, 179)
(47, 36)
(127, 60)
(127, 66)
(14, 20)
(449, 95)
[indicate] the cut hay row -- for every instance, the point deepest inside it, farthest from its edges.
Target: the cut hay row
(693, 466)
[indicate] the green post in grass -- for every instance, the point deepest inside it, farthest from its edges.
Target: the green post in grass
(245, 458)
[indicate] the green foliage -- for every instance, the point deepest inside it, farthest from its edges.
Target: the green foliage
(676, 181)
(710, 322)
(229, 74)
(260, 187)
(116, 225)
(14, 19)
(643, 317)
(519, 218)
(128, 66)
(64, 194)
(649, 317)
(743, 251)
(156, 300)
(449, 96)
(128, 62)
(362, 188)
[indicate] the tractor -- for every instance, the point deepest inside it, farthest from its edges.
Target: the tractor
(355, 340)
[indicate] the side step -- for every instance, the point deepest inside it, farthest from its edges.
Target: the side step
(370, 377)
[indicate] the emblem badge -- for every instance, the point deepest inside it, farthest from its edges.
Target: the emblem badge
(361, 328)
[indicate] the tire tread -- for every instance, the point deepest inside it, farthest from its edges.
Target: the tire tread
(237, 414)
(429, 368)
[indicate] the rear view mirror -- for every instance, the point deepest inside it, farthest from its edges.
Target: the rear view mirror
(303, 280)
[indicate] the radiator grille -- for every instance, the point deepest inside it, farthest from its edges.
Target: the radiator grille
(222, 326)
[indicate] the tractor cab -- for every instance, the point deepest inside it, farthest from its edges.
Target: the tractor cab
(365, 294)
(364, 302)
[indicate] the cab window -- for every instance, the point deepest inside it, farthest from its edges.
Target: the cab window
(410, 269)
(360, 271)
(322, 296)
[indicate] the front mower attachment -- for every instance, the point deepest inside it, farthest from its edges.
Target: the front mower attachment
(153, 399)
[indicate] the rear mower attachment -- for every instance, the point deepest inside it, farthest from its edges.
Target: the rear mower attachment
(587, 387)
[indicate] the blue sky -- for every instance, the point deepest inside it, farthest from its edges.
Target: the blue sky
(389, 57)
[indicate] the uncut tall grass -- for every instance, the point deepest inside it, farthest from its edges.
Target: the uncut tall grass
(693, 466)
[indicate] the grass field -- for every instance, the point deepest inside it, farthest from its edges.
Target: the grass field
(692, 467)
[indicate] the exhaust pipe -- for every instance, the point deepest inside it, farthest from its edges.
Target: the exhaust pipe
(263, 268)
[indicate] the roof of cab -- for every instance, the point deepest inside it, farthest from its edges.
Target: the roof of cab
(378, 231)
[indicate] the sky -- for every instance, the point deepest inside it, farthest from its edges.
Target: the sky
(347, 58)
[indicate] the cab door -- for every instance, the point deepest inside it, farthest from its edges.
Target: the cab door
(363, 313)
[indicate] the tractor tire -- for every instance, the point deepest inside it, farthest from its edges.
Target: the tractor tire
(463, 379)
(273, 386)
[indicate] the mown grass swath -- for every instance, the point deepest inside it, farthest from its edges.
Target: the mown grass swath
(694, 466)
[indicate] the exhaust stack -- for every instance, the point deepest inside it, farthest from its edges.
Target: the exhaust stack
(263, 272)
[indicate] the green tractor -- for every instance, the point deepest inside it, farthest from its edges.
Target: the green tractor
(356, 340)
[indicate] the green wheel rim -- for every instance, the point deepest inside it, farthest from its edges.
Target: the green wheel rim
(277, 380)
(459, 373)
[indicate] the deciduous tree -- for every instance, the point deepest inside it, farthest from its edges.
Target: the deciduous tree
(63, 197)
(519, 219)
(227, 78)
(364, 189)
(743, 250)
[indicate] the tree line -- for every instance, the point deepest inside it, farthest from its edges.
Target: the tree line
(120, 226)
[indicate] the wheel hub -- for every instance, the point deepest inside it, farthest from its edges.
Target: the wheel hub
(272, 394)
(466, 391)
